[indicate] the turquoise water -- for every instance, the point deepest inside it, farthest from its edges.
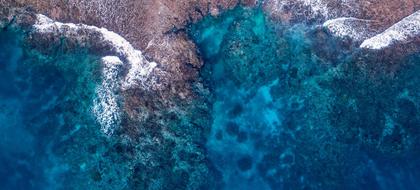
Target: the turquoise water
(45, 103)
(291, 108)
(295, 109)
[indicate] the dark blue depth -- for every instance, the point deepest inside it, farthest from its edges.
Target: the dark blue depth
(44, 102)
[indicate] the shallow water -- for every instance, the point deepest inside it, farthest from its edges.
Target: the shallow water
(288, 116)
(292, 108)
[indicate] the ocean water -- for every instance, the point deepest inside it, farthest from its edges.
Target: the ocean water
(293, 108)
(45, 107)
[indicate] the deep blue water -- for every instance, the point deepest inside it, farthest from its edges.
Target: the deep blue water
(44, 101)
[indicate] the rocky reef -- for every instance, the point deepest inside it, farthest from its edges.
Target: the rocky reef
(121, 100)
(307, 94)
(285, 116)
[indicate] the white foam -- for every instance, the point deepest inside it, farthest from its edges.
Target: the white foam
(111, 60)
(317, 6)
(105, 107)
(140, 67)
(356, 29)
(399, 33)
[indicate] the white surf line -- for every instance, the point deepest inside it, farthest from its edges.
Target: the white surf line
(354, 28)
(399, 33)
(106, 108)
(140, 67)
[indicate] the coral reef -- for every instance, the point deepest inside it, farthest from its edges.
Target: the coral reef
(287, 117)
(209, 94)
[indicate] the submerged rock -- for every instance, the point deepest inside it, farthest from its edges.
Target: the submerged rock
(123, 66)
(249, 98)
(129, 105)
(101, 41)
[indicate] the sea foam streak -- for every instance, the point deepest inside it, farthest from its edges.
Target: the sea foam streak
(106, 107)
(399, 33)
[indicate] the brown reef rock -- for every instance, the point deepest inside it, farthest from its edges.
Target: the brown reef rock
(154, 32)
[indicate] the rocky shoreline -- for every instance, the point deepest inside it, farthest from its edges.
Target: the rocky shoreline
(151, 67)
(159, 26)
(161, 38)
